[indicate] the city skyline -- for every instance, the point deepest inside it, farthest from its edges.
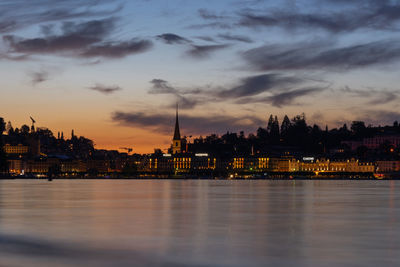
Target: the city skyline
(93, 66)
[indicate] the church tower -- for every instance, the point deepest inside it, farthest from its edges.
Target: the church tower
(176, 141)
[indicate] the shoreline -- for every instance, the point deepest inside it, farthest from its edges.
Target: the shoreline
(288, 178)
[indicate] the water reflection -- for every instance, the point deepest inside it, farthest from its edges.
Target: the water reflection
(200, 223)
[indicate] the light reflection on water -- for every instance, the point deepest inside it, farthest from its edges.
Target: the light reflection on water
(199, 223)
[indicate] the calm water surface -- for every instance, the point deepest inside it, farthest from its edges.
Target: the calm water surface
(199, 223)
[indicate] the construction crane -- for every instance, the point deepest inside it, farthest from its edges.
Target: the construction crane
(33, 124)
(127, 149)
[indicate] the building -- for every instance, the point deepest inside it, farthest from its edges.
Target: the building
(353, 166)
(388, 166)
(16, 149)
(176, 140)
(374, 142)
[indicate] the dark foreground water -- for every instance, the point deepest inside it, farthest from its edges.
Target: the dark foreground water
(199, 223)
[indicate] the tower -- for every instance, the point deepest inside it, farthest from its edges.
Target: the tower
(176, 141)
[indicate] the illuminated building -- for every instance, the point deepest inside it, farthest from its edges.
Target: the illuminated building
(337, 166)
(388, 165)
(18, 149)
(16, 166)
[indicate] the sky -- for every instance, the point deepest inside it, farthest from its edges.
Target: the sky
(114, 70)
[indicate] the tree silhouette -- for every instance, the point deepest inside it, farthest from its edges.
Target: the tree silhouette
(3, 156)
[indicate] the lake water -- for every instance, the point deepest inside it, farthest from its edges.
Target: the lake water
(199, 223)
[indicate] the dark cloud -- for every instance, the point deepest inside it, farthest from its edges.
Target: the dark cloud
(161, 87)
(321, 55)
(281, 89)
(280, 99)
(185, 102)
(74, 36)
(39, 77)
(288, 98)
(206, 38)
(86, 39)
(208, 14)
(17, 14)
(376, 97)
(255, 85)
(203, 51)
(191, 124)
(216, 24)
(118, 49)
(230, 37)
(105, 89)
(380, 15)
(170, 38)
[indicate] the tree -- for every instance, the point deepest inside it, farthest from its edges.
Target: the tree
(3, 156)
(357, 127)
(275, 128)
(262, 134)
(285, 125)
(24, 129)
(9, 128)
(2, 126)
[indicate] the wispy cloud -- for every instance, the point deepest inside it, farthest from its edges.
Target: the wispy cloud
(204, 51)
(378, 15)
(118, 49)
(374, 96)
(87, 39)
(105, 89)
(272, 88)
(322, 55)
(255, 85)
(17, 14)
(39, 77)
(171, 38)
(193, 124)
(232, 37)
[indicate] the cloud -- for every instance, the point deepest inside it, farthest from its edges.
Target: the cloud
(161, 87)
(105, 89)
(74, 36)
(216, 24)
(271, 88)
(207, 14)
(205, 38)
(376, 97)
(18, 14)
(255, 85)
(377, 117)
(85, 39)
(170, 38)
(191, 124)
(321, 55)
(288, 98)
(230, 37)
(39, 77)
(203, 51)
(280, 99)
(378, 15)
(118, 49)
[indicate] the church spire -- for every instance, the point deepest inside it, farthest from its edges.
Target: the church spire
(176, 141)
(177, 134)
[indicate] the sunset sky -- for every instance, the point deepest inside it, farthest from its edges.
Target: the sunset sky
(114, 70)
